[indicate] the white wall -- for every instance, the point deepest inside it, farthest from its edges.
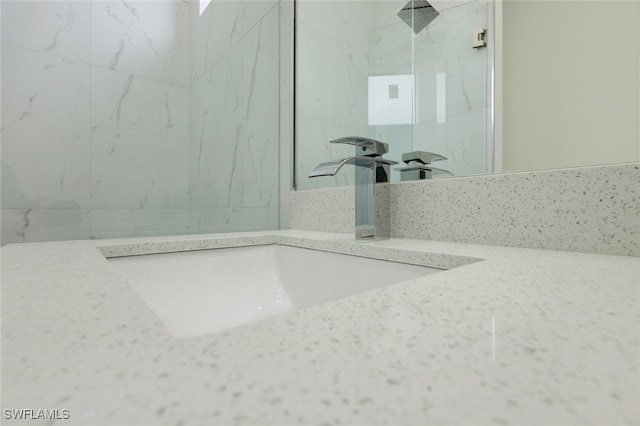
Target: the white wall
(571, 83)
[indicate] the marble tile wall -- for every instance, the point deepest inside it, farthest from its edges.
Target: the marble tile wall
(588, 209)
(222, 24)
(94, 119)
(138, 118)
(144, 38)
(45, 156)
(234, 147)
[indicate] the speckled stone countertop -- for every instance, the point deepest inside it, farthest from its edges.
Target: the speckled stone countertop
(520, 337)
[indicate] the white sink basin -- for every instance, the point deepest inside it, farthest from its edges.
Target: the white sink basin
(200, 292)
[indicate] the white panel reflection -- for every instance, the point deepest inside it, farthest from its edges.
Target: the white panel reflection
(441, 97)
(203, 5)
(391, 99)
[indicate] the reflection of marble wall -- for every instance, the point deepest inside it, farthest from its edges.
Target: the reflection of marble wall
(94, 119)
(339, 46)
(234, 126)
(331, 84)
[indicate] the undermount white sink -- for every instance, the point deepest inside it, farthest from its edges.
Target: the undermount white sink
(200, 292)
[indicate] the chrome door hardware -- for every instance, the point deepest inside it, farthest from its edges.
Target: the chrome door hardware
(479, 38)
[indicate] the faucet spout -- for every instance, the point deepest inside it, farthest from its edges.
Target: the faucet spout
(330, 168)
(371, 168)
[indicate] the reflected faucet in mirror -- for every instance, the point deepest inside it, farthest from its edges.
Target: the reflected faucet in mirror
(418, 166)
(372, 212)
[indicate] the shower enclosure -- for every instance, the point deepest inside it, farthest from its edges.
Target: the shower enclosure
(404, 73)
(139, 118)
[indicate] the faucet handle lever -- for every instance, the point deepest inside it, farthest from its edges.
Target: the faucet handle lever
(422, 157)
(364, 146)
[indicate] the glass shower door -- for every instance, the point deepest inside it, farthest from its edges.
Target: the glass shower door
(430, 91)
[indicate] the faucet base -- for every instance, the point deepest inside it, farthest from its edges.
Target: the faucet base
(365, 233)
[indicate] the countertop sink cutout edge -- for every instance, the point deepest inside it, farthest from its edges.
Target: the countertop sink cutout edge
(350, 247)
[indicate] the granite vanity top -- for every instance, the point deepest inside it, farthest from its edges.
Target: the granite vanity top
(513, 336)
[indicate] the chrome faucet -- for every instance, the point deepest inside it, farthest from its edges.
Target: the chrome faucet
(372, 209)
(419, 165)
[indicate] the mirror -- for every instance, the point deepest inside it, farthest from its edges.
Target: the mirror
(565, 92)
(391, 72)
